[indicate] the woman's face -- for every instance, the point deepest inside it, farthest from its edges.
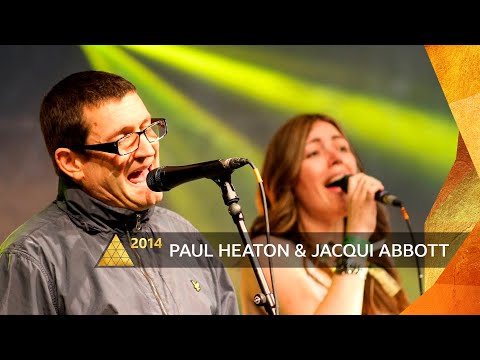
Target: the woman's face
(327, 158)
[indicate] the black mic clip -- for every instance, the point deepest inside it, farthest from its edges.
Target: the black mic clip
(224, 182)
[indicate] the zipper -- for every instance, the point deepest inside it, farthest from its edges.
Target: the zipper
(144, 272)
(138, 225)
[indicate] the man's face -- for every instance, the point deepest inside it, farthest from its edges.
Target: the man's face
(116, 180)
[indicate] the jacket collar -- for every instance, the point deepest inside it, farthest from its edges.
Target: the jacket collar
(94, 216)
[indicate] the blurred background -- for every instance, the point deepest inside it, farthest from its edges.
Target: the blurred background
(227, 101)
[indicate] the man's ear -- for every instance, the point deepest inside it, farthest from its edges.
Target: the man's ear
(70, 163)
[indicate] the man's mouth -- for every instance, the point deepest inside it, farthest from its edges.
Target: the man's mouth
(139, 176)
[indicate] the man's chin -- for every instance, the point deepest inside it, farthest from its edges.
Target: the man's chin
(157, 197)
(150, 198)
(142, 198)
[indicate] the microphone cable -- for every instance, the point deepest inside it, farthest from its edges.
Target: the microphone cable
(412, 239)
(267, 228)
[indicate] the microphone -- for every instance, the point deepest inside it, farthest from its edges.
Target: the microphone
(166, 178)
(381, 195)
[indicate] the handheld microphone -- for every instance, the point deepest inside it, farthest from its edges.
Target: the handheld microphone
(166, 178)
(381, 195)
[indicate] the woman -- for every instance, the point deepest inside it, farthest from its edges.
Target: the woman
(307, 154)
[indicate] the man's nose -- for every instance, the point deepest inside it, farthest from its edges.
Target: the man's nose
(145, 147)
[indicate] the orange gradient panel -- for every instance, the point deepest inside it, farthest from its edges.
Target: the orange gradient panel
(455, 288)
(456, 67)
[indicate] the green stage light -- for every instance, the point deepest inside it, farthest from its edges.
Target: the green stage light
(369, 120)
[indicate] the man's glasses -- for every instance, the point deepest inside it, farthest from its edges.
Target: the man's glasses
(130, 142)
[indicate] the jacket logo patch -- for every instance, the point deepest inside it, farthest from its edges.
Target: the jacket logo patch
(196, 285)
(115, 255)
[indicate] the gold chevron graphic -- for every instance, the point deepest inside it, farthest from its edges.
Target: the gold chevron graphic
(454, 289)
(115, 255)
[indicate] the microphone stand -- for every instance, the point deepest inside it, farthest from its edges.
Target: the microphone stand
(230, 198)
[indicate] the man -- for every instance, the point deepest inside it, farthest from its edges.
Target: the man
(97, 249)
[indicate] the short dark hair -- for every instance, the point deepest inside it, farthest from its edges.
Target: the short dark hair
(61, 111)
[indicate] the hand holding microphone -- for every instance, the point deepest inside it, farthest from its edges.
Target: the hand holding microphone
(382, 196)
(362, 211)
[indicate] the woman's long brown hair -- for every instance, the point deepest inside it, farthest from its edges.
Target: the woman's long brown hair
(281, 167)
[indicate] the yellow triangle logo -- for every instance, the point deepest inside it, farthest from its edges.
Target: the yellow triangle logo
(115, 255)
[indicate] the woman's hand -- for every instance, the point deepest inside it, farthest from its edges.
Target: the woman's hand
(362, 207)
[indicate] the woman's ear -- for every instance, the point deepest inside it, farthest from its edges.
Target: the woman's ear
(70, 163)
